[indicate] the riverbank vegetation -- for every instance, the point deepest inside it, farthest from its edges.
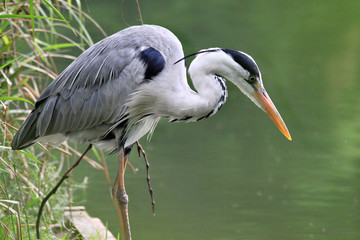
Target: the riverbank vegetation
(36, 37)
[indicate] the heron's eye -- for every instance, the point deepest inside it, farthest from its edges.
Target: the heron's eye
(252, 79)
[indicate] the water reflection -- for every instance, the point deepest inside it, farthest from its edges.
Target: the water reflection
(235, 176)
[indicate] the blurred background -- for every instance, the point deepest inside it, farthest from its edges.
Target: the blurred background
(234, 176)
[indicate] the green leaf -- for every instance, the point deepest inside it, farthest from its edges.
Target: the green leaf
(8, 62)
(29, 16)
(59, 14)
(32, 203)
(16, 99)
(32, 14)
(60, 45)
(30, 156)
(97, 155)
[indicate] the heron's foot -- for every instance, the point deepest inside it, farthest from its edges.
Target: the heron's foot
(141, 151)
(121, 200)
(121, 197)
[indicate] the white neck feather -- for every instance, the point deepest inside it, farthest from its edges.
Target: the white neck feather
(208, 72)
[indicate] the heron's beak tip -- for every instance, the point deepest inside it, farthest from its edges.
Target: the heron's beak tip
(268, 106)
(287, 135)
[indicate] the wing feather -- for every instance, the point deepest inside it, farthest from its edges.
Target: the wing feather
(45, 116)
(82, 97)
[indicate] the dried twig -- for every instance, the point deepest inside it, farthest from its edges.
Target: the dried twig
(151, 191)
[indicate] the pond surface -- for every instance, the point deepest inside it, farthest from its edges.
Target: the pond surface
(234, 176)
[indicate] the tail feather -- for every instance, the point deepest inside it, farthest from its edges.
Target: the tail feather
(26, 135)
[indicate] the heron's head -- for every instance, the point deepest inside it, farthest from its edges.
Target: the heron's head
(240, 69)
(245, 74)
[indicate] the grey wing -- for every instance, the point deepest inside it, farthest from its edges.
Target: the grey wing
(92, 91)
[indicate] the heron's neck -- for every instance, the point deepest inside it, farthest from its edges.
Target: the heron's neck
(175, 100)
(210, 95)
(207, 72)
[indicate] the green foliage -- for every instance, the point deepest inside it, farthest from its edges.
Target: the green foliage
(34, 35)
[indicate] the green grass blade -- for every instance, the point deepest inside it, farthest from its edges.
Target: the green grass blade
(16, 99)
(30, 156)
(82, 27)
(8, 62)
(32, 203)
(32, 14)
(58, 46)
(59, 14)
(96, 153)
(29, 16)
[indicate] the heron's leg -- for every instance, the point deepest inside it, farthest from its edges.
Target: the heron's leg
(120, 198)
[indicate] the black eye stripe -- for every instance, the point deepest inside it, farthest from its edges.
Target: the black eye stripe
(242, 59)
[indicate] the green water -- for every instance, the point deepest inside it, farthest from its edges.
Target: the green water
(234, 176)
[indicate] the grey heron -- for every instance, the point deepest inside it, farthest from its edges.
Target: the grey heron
(117, 90)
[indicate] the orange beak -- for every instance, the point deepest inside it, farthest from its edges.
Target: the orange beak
(267, 105)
